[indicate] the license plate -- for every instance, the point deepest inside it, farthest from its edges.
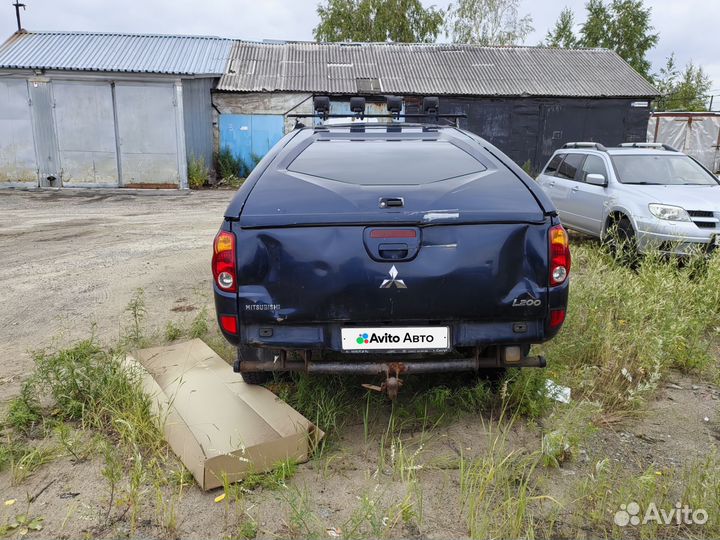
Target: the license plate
(395, 339)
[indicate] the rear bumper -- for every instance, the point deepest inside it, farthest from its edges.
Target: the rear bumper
(327, 336)
(282, 335)
(450, 365)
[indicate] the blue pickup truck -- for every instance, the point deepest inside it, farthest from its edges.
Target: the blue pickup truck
(388, 250)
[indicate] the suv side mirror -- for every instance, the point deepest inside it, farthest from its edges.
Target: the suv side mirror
(596, 179)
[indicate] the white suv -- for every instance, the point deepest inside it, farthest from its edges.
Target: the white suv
(655, 195)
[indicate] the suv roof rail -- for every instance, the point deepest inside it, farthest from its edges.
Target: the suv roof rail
(588, 144)
(648, 145)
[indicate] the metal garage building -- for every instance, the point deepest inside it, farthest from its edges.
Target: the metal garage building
(92, 109)
(526, 100)
(111, 110)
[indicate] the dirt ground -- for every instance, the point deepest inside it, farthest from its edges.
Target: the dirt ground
(71, 261)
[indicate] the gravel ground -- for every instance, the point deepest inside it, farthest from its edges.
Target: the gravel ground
(72, 260)
(70, 263)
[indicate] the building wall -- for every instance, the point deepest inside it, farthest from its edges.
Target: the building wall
(530, 129)
(250, 123)
(99, 130)
(17, 144)
(283, 103)
(198, 118)
(527, 129)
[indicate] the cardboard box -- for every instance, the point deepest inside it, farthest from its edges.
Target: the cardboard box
(215, 423)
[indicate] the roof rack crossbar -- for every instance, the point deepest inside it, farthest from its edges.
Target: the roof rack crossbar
(361, 115)
(586, 144)
(648, 145)
(430, 110)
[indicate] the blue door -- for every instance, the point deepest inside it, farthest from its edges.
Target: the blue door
(250, 136)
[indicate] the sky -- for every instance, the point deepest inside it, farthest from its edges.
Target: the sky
(687, 27)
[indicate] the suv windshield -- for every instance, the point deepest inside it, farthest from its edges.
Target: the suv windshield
(661, 169)
(385, 162)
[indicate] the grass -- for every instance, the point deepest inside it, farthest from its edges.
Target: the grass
(90, 385)
(199, 326)
(173, 331)
(198, 173)
(565, 430)
(626, 328)
(609, 486)
(24, 412)
(229, 166)
(30, 460)
(134, 332)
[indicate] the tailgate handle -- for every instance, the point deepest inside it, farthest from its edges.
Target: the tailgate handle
(391, 202)
(393, 251)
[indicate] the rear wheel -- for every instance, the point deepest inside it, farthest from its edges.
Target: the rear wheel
(254, 354)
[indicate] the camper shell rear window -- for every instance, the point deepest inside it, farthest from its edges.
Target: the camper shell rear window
(385, 162)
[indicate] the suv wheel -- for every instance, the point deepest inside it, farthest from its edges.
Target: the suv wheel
(254, 354)
(623, 242)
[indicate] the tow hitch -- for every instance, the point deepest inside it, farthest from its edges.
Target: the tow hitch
(509, 356)
(392, 383)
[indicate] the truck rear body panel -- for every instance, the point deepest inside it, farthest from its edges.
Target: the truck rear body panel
(325, 274)
(329, 236)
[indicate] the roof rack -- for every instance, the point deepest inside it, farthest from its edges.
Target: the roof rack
(648, 145)
(588, 144)
(430, 106)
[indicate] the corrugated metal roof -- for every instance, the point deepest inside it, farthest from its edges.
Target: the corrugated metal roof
(128, 53)
(437, 69)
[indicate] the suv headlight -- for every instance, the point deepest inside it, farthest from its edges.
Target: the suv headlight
(668, 212)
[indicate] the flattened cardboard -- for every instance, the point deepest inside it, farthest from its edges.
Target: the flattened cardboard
(215, 423)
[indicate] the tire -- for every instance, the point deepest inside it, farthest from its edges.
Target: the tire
(627, 243)
(622, 242)
(254, 354)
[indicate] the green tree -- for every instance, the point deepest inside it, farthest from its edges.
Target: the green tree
(684, 90)
(623, 26)
(562, 34)
(400, 21)
(595, 31)
(487, 22)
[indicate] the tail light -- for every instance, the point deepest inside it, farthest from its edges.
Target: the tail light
(557, 317)
(223, 262)
(559, 255)
(229, 323)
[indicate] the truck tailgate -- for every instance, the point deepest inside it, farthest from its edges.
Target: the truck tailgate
(470, 272)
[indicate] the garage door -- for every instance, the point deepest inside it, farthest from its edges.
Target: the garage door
(147, 125)
(86, 133)
(17, 150)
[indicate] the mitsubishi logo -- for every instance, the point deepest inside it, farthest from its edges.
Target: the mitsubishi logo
(388, 283)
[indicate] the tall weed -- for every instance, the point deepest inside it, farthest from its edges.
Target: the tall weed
(198, 173)
(91, 385)
(626, 327)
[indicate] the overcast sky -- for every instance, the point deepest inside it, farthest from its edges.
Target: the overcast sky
(688, 27)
